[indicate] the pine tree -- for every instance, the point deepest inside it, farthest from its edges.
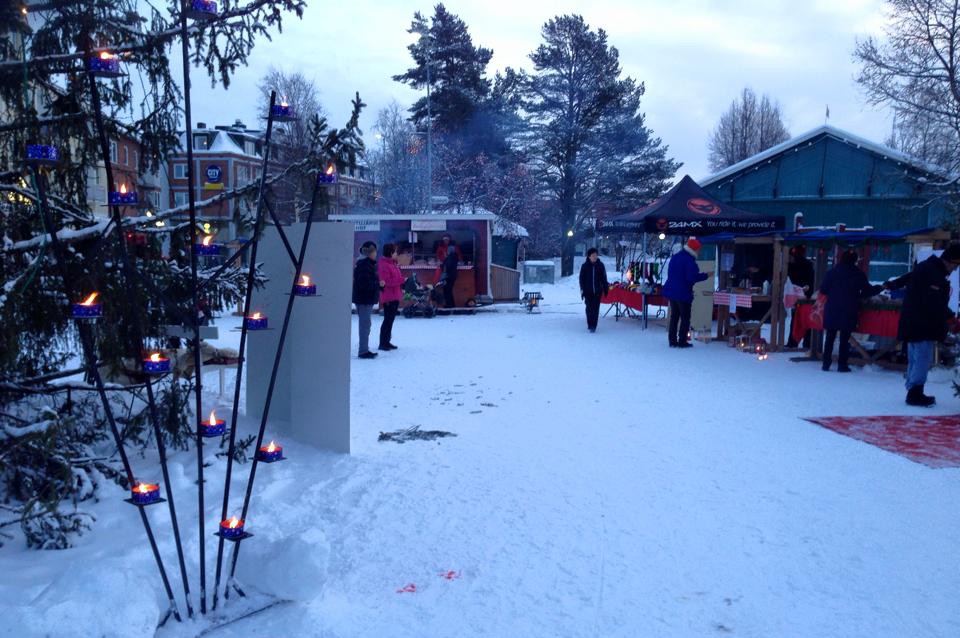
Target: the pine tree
(46, 97)
(585, 129)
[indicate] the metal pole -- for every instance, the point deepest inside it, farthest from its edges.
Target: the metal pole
(248, 297)
(87, 343)
(429, 39)
(273, 379)
(198, 383)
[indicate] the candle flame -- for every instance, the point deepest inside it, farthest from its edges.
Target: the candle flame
(106, 55)
(206, 240)
(89, 300)
(123, 189)
(304, 280)
(234, 522)
(331, 169)
(272, 447)
(256, 315)
(284, 103)
(142, 488)
(155, 357)
(213, 417)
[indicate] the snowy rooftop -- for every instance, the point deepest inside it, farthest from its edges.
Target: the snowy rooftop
(843, 136)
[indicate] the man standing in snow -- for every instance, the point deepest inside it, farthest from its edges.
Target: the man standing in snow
(366, 291)
(843, 286)
(682, 275)
(593, 286)
(924, 318)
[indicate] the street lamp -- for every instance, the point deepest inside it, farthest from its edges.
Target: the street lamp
(422, 34)
(570, 233)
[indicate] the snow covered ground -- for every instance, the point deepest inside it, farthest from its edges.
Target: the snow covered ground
(599, 485)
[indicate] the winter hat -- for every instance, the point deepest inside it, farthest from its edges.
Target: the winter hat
(368, 248)
(694, 244)
(951, 254)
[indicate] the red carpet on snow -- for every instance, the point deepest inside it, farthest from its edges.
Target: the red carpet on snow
(931, 440)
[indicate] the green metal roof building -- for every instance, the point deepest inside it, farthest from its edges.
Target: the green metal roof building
(833, 177)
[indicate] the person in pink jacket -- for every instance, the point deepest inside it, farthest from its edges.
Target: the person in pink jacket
(391, 281)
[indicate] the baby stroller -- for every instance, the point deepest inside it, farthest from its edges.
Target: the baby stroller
(419, 297)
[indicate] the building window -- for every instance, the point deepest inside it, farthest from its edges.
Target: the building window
(154, 198)
(136, 159)
(179, 171)
(180, 198)
(113, 152)
(126, 155)
(200, 142)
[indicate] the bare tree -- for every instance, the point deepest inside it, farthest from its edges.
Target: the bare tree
(748, 127)
(291, 140)
(399, 163)
(914, 70)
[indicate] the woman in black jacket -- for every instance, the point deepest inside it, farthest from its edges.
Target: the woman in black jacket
(844, 285)
(449, 277)
(593, 286)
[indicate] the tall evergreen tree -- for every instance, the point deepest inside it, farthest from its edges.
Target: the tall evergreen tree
(457, 71)
(585, 129)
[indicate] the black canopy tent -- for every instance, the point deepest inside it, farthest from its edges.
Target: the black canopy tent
(686, 209)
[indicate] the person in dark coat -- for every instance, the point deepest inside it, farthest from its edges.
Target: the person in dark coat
(593, 286)
(924, 317)
(682, 275)
(366, 292)
(844, 286)
(449, 277)
(800, 272)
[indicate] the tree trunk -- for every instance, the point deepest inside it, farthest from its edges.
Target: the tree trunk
(566, 256)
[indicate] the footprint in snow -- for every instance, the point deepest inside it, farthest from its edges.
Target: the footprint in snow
(489, 405)
(475, 411)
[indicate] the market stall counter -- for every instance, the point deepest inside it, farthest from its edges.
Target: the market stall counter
(877, 318)
(624, 301)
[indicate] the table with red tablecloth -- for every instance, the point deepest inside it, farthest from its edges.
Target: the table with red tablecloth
(875, 320)
(621, 297)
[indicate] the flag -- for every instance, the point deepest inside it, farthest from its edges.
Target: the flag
(828, 111)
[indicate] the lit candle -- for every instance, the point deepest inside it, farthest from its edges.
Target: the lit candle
(145, 493)
(104, 65)
(270, 453)
(283, 112)
(207, 246)
(201, 10)
(232, 527)
(256, 321)
(123, 197)
(304, 288)
(156, 364)
(213, 427)
(42, 155)
(328, 176)
(88, 308)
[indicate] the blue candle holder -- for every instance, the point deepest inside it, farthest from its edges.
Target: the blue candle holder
(123, 198)
(283, 113)
(42, 155)
(145, 494)
(234, 532)
(201, 10)
(270, 453)
(86, 311)
(255, 322)
(305, 288)
(207, 249)
(104, 65)
(156, 364)
(210, 430)
(328, 176)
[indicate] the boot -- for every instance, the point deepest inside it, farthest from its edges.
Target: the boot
(916, 397)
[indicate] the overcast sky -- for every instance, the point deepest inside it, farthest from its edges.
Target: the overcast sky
(693, 55)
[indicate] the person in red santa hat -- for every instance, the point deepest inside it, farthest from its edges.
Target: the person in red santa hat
(682, 274)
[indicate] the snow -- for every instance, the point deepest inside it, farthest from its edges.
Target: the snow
(599, 485)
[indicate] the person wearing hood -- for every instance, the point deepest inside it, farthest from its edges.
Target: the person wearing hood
(392, 278)
(844, 285)
(366, 291)
(593, 286)
(682, 275)
(924, 317)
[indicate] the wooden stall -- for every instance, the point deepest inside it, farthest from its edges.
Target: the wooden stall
(419, 239)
